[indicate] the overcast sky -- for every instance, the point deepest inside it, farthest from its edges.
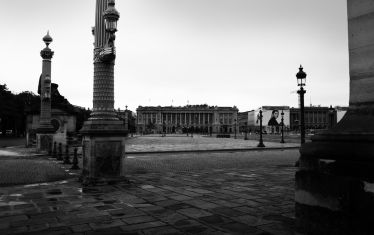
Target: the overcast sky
(170, 52)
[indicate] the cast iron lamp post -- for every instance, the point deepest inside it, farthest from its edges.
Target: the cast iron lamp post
(261, 142)
(235, 128)
(301, 79)
(246, 131)
(282, 130)
(331, 116)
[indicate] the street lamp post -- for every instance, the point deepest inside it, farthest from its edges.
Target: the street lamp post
(282, 131)
(103, 133)
(246, 131)
(301, 78)
(331, 116)
(261, 142)
(235, 128)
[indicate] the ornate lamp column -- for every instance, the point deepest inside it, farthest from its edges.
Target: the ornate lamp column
(301, 77)
(103, 142)
(334, 183)
(282, 126)
(45, 130)
(261, 142)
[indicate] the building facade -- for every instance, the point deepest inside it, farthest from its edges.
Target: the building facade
(129, 119)
(191, 118)
(316, 118)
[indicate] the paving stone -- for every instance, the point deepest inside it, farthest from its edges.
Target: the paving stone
(13, 218)
(251, 220)
(142, 226)
(80, 228)
(106, 224)
(200, 191)
(139, 219)
(241, 228)
(166, 203)
(201, 204)
(226, 211)
(105, 207)
(193, 212)
(215, 219)
(178, 206)
(162, 231)
(105, 231)
(180, 197)
(277, 228)
(200, 229)
(173, 218)
(126, 213)
(38, 227)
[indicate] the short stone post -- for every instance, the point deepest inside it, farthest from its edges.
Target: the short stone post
(50, 149)
(67, 157)
(54, 150)
(75, 160)
(59, 155)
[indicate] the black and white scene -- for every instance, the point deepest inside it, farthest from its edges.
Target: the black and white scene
(167, 117)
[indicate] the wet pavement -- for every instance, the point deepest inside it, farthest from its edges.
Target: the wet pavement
(155, 143)
(20, 165)
(202, 193)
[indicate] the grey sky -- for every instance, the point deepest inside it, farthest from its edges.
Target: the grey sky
(220, 52)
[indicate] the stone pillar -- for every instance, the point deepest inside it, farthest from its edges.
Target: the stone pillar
(334, 182)
(45, 131)
(103, 133)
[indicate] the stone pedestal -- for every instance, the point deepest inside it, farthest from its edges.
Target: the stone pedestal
(44, 141)
(103, 151)
(335, 180)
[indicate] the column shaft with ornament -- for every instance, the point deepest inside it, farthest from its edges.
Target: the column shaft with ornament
(45, 130)
(335, 180)
(104, 134)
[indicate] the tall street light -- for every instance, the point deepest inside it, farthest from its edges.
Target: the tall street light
(235, 128)
(331, 117)
(301, 79)
(261, 142)
(282, 126)
(246, 131)
(103, 133)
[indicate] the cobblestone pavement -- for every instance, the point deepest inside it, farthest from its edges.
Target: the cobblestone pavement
(179, 143)
(205, 193)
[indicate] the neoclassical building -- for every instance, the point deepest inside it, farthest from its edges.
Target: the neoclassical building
(190, 118)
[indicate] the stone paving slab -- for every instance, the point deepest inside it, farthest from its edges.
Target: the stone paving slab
(181, 197)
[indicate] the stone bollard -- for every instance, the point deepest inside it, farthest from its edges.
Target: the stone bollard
(59, 155)
(50, 149)
(54, 150)
(75, 160)
(67, 158)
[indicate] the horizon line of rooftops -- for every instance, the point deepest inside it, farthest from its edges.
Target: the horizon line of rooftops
(205, 106)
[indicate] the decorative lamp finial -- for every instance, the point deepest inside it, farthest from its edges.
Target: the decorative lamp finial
(47, 39)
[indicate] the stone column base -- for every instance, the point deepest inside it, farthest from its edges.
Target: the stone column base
(103, 152)
(43, 141)
(334, 191)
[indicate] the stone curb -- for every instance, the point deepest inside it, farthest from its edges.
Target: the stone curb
(213, 150)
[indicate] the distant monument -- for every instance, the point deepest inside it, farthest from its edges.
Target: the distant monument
(335, 179)
(45, 130)
(65, 118)
(103, 141)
